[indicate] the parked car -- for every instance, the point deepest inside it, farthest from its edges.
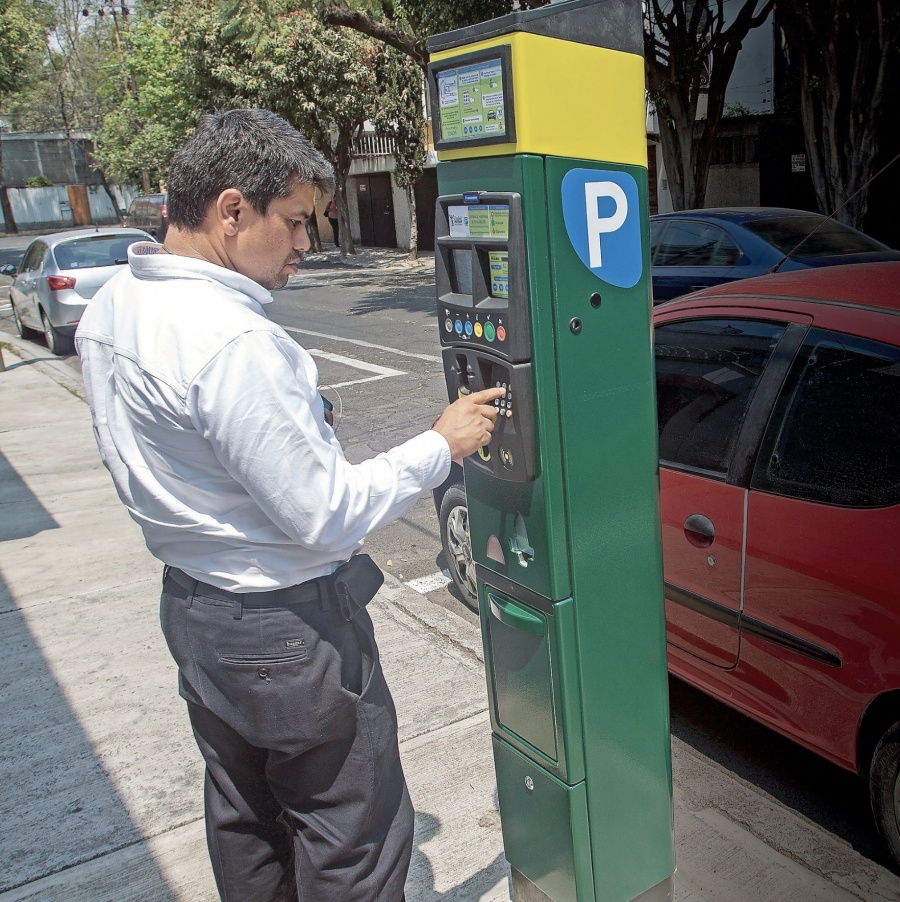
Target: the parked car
(57, 277)
(779, 440)
(150, 213)
(697, 249)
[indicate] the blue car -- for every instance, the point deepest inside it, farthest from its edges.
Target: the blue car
(696, 249)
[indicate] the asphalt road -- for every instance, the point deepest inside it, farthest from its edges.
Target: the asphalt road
(373, 334)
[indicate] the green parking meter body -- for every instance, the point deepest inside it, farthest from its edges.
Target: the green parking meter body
(542, 270)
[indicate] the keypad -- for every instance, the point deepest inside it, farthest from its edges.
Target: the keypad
(504, 403)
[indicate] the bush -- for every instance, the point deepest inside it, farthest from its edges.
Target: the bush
(38, 181)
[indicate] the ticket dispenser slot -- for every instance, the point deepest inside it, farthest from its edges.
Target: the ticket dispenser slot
(483, 312)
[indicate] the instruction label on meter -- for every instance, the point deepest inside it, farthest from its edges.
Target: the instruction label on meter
(499, 265)
(479, 221)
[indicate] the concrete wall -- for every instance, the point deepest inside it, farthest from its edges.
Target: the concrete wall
(36, 209)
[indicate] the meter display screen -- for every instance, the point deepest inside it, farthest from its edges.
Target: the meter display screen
(498, 261)
(471, 101)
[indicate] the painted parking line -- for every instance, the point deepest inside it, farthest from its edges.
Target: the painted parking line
(431, 358)
(425, 584)
(381, 372)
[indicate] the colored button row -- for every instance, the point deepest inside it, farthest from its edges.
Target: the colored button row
(487, 330)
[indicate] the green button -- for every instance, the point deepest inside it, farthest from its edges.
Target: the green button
(489, 332)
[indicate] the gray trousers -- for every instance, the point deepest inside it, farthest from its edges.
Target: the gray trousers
(305, 797)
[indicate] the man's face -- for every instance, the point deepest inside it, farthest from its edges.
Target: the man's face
(270, 247)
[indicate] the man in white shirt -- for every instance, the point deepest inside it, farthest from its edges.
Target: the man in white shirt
(208, 417)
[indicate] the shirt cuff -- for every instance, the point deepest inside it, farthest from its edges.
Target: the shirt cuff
(431, 451)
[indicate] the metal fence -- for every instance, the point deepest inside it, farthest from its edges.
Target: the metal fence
(369, 145)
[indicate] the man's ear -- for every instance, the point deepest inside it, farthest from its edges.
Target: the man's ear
(230, 207)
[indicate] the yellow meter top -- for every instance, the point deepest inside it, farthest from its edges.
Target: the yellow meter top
(568, 98)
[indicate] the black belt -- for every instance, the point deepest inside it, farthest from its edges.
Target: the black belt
(319, 589)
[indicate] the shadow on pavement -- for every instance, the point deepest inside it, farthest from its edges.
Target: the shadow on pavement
(59, 806)
(23, 514)
(818, 790)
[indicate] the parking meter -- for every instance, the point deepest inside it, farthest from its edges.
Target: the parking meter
(543, 289)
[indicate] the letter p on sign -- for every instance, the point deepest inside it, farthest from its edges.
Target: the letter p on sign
(600, 210)
(597, 224)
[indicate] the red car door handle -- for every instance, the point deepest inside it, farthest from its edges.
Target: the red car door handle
(700, 530)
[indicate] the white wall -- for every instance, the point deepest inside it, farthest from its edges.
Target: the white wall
(46, 208)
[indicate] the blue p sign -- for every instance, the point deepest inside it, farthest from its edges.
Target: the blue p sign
(600, 210)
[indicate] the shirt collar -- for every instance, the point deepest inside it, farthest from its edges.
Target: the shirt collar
(149, 260)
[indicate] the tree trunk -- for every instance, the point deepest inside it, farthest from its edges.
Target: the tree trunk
(413, 224)
(8, 218)
(842, 50)
(689, 53)
(342, 170)
(111, 196)
(312, 229)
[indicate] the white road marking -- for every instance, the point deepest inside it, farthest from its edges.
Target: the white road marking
(383, 372)
(431, 358)
(425, 584)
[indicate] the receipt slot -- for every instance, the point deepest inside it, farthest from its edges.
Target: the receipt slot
(543, 289)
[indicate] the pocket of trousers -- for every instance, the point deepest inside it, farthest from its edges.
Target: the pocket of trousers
(270, 699)
(364, 633)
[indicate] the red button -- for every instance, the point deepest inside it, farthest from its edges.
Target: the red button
(501, 333)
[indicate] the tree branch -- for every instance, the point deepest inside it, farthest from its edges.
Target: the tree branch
(399, 40)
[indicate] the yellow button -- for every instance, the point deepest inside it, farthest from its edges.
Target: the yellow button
(478, 330)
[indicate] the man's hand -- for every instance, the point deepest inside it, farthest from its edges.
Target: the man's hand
(467, 424)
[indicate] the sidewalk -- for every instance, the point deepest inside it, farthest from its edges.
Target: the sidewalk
(100, 774)
(101, 779)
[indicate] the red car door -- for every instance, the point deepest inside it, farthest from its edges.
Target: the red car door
(821, 620)
(708, 368)
(702, 537)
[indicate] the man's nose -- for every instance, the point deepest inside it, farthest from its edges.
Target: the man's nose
(301, 239)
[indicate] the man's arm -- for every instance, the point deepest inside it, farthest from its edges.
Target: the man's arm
(258, 406)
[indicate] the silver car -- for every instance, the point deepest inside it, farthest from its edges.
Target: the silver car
(59, 274)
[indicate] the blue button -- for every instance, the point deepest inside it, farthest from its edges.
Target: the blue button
(468, 328)
(458, 327)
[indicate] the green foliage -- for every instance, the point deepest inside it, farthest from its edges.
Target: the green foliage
(156, 110)
(74, 71)
(399, 114)
(731, 110)
(22, 28)
(38, 181)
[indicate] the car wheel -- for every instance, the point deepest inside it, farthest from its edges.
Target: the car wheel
(884, 789)
(454, 519)
(21, 328)
(57, 343)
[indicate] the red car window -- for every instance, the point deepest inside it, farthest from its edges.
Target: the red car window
(835, 433)
(706, 373)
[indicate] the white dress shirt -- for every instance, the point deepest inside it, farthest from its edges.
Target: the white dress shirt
(208, 417)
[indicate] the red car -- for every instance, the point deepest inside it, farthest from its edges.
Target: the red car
(779, 440)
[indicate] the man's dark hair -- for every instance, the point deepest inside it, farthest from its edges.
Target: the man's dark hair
(254, 151)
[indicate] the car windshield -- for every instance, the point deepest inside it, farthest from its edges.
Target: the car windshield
(99, 250)
(832, 238)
